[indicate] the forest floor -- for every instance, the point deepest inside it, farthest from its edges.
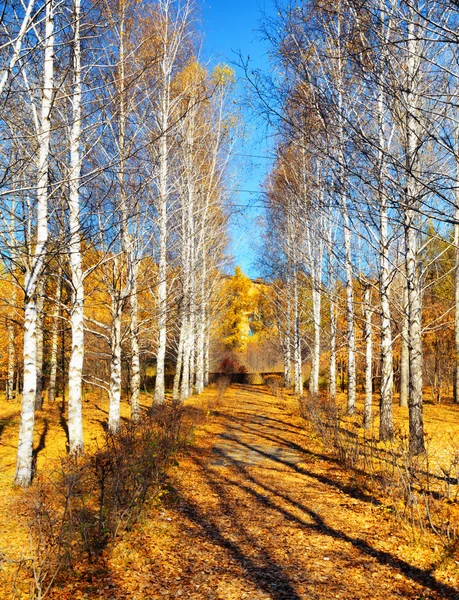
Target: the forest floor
(256, 509)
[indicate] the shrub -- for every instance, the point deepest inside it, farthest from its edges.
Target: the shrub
(223, 382)
(75, 512)
(418, 495)
(275, 384)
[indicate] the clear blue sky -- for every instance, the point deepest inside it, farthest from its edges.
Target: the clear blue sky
(230, 26)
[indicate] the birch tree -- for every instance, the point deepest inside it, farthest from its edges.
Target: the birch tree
(37, 257)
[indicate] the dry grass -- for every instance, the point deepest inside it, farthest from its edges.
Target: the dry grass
(441, 425)
(42, 512)
(268, 531)
(421, 491)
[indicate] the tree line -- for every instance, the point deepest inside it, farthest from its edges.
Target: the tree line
(362, 220)
(114, 150)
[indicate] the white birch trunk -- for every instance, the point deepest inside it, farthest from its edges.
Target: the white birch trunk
(135, 350)
(298, 381)
(25, 444)
(404, 355)
(55, 339)
(416, 426)
(368, 313)
(456, 276)
(11, 361)
(200, 333)
(179, 362)
(75, 373)
(185, 386)
(287, 360)
(39, 341)
(207, 349)
(315, 353)
(387, 369)
(411, 219)
(26, 21)
(332, 364)
(415, 335)
(162, 267)
(351, 368)
(192, 273)
(114, 408)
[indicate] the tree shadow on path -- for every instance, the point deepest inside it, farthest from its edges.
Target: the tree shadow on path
(419, 576)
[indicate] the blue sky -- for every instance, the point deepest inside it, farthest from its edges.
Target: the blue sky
(230, 26)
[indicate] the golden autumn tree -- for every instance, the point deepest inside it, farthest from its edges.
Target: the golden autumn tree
(239, 315)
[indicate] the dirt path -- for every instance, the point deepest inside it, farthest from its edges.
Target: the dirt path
(260, 513)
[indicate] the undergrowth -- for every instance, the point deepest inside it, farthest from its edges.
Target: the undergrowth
(422, 497)
(74, 512)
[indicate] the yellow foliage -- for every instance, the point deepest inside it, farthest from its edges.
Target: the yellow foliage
(223, 75)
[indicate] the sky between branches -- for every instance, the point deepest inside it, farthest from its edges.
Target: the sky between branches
(231, 27)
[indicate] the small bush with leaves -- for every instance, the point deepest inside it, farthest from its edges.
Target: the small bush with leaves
(275, 384)
(76, 511)
(223, 382)
(417, 493)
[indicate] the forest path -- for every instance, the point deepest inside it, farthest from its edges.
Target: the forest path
(257, 511)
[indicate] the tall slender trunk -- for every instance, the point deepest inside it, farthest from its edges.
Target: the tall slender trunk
(456, 274)
(351, 365)
(351, 368)
(404, 354)
(18, 381)
(135, 350)
(75, 374)
(315, 362)
(25, 444)
(416, 426)
(192, 273)
(185, 386)
(332, 310)
(55, 338)
(162, 267)
(115, 368)
(387, 370)
(39, 341)
(287, 360)
(288, 334)
(368, 313)
(207, 348)
(11, 358)
(201, 325)
(332, 362)
(26, 21)
(411, 218)
(179, 361)
(23, 475)
(298, 371)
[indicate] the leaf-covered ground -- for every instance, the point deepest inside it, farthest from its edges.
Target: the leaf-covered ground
(256, 510)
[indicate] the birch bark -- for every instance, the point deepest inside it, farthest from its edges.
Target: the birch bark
(26, 22)
(416, 426)
(387, 371)
(75, 372)
(23, 475)
(456, 274)
(55, 339)
(163, 224)
(40, 300)
(368, 313)
(404, 356)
